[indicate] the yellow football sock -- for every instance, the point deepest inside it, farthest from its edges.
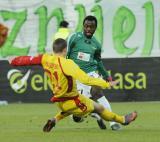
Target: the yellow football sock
(110, 116)
(60, 116)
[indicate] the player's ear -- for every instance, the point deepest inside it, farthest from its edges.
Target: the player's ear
(64, 51)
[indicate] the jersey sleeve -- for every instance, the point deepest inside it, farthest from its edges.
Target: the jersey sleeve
(70, 43)
(71, 69)
(101, 68)
(27, 60)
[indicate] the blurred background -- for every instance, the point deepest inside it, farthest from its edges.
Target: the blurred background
(129, 32)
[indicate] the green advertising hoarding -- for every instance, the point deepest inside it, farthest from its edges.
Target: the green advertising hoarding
(126, 28)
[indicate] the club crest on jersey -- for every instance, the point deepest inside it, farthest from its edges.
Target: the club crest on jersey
(83, 56)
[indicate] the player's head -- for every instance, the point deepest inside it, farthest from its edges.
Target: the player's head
(64, 24)
(89, 26)
(60, 47)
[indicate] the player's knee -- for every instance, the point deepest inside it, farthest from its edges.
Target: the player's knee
(99, 108)
(96, 92)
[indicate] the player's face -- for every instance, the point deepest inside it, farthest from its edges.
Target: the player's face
(89, 28)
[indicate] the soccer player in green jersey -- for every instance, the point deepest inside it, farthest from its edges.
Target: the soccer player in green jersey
(85, 51)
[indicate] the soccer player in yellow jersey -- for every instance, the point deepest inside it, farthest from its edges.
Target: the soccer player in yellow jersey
(63, 74)
(63, 31)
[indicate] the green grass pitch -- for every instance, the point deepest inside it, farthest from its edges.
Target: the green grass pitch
(24, 122)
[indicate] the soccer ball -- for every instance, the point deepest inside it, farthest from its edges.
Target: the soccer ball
(77, 119)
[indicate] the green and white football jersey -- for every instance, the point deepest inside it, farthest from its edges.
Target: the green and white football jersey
(86, 53)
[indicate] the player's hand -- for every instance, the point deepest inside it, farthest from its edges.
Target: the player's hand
(109, 78)
(113, 83)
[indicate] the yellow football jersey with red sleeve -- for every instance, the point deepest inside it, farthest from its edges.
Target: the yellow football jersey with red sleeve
(63, 74)
(73, 69)
(63, 85)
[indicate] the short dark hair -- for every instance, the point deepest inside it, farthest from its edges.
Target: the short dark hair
(64, 24)
(58, 45)
(90, 18)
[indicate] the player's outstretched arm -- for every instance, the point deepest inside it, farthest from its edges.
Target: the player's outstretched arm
(70, 68)
(26, 60)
